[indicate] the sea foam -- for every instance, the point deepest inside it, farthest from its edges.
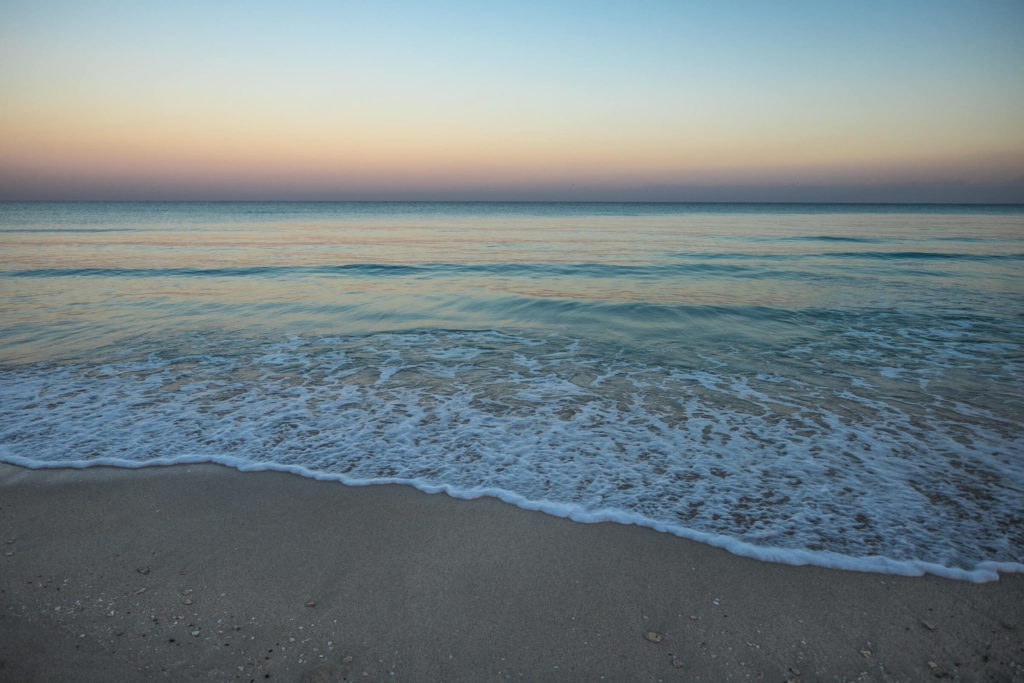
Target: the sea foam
(769, 465)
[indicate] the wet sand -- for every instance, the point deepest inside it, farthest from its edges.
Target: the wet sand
(202, 572)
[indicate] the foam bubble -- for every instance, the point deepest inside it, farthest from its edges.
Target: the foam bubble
(789, 464)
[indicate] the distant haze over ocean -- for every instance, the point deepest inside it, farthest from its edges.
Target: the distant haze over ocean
(1010, 191)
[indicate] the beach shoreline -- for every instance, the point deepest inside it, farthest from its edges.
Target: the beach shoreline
(201, 571)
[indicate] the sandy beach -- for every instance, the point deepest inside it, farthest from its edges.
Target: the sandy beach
(202, 572)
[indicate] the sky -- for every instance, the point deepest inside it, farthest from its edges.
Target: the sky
(635, 100)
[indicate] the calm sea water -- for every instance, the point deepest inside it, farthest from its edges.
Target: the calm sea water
(840, 385)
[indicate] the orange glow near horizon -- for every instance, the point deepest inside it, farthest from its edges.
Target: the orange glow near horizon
(240, 149)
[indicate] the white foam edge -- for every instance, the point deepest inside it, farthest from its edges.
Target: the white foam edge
(983, 572)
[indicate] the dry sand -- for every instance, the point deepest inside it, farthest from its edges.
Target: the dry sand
(202, 572)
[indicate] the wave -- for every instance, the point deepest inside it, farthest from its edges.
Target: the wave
(868, 255)
(922, 255)
(382, 270)
(857, 466)
(828, 238)
(698, 264)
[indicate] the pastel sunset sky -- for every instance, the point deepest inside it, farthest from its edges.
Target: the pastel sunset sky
(577, 100)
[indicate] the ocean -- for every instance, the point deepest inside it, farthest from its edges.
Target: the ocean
(839, 385)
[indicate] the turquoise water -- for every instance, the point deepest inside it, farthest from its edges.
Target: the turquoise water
(839, 385)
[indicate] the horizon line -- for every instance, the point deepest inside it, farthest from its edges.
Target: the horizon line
(504, 201)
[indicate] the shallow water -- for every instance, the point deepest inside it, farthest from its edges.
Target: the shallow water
(839, 385)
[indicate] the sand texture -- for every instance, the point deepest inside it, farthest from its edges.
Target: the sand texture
(202, 572)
